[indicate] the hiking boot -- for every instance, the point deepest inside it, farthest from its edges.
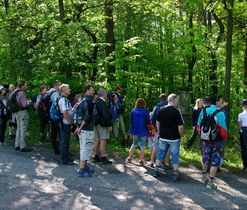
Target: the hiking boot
(11, 137)
(56, 152)
(156, 174)
(96, 159)
(25, 150)
(43, 139)
(104, 161)
(205, 180)
(167, 167)
(211, 186)
(84, 173)
(177, 178)
(69, 162)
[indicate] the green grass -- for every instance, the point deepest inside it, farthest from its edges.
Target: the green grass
(188, 157)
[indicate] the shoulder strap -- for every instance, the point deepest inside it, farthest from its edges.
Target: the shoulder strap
(215, 113)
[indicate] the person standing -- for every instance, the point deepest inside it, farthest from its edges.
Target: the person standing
(170, 129)
(212, 151)
(11, 116)
(54, 94)
(163, 102)
(242, 121)
(42, 114)
(22, 118)
(103, 129)
(3, 115)
(139, 121)
(195, 114)
(85, 132)
(65, 124)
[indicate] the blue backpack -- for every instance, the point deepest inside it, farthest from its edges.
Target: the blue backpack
(55, 112)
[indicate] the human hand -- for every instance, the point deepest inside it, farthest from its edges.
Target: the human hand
(110, 128)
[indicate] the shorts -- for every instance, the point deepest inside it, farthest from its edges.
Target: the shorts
(86, 139)
(212, 153)
(156, 142)
(101, 132)
(150, 141)
(173, 146)
(142, 139)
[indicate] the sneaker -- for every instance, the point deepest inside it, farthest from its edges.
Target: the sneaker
(91, 170)
(25, 150)
(104, 161)
(96, 159)
(84, 173)
(11, 137)
(128, 160)
(211, 186)
(140, 163)
(69, 162)
(151, 165)
(167, 167)
(17, 148)
(204, 180)
(178, 178)
(156, 174)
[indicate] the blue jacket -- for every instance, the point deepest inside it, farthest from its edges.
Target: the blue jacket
(114, 110)
(139, 120)
(156, 111)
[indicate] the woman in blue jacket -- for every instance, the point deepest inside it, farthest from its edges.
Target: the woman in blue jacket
(139, 120)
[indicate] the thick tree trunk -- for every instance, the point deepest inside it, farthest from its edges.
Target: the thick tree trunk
(245, 61)
(110, 48)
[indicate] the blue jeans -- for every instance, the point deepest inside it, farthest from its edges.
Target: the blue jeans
(174, 148)
(142, 139)
(64, 132)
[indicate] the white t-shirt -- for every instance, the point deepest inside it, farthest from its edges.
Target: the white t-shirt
(64, 104)
(242, 117)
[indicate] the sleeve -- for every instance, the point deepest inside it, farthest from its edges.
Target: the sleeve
(239, 118)
(194, 117)
(88, 110)
(154, 116)
(63, 104)
(106, 115)
(180, 120)
(199, 122)
(221, 125)
(113, 111)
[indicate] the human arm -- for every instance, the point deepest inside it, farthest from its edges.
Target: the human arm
(67, 116)
(181, 130)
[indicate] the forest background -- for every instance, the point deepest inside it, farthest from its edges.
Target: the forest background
(145, 46)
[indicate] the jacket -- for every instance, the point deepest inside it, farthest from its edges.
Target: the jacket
(114, 107)
(87, 112)
(139, 120)
(102, 108)
(156, 111)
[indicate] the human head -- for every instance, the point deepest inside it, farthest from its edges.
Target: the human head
(78, 97)
(43, 88)
(199, 103)
(216, 100)
(2, 89)
(64, 89)
(173, 99)
(118, 89)
(11, 87)
(140, 103)
(244, 103)
(113, 97)
(56, 84)
(207, 101)
(102, 93)
(22, 85)
(163, 97)
(89, 90)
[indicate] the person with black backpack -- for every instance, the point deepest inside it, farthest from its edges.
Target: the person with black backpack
(53, 95)
(212, 128)
(42, 114)
(3, 115)
(22, 117)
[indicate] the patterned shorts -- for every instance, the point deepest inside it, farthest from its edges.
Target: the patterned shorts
(212, 153)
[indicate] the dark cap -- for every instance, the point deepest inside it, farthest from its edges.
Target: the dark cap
(244, 102)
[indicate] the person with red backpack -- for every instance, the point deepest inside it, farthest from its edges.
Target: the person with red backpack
(43, 116)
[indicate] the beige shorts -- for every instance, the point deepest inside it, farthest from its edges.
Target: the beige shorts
(101, 132)
(86, 139)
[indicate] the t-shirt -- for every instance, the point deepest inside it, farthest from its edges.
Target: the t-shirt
(64, 104)
(242, 117)
(170, 118)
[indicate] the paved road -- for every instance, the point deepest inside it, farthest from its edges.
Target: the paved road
(35, 180)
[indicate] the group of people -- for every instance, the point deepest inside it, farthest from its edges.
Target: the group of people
(163, 127)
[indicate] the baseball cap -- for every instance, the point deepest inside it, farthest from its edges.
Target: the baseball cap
(118, 88)
(244, 102)
(2, 87)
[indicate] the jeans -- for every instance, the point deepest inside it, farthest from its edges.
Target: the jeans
(22, 120)
(243, 150)
(142, 139)
(174, 149)
(64, 133)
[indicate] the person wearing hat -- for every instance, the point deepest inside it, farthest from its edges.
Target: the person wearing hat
(242, 121)
(3, 115)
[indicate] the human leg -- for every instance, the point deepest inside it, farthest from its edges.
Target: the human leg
(18, 132)
(122, 126)
(192, 138)
(243, 151)
(116, 128)
(64, 142)
(22, 123)
(54, 133)
(133, 146)
(142, 146)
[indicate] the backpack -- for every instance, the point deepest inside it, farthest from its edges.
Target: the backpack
(33, 102)
(96, 116)
(46, 101)
(208, 129)
(12, 105)
(55, 112)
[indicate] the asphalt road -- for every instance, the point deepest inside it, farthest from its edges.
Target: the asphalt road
(35, 180)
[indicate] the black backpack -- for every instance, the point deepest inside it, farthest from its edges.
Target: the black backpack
(46, 101)
(12, 105)
(33, 102)
(208, 129)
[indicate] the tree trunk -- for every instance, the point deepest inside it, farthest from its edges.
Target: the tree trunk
(110, 41)
(245, 61)
(228, 52)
